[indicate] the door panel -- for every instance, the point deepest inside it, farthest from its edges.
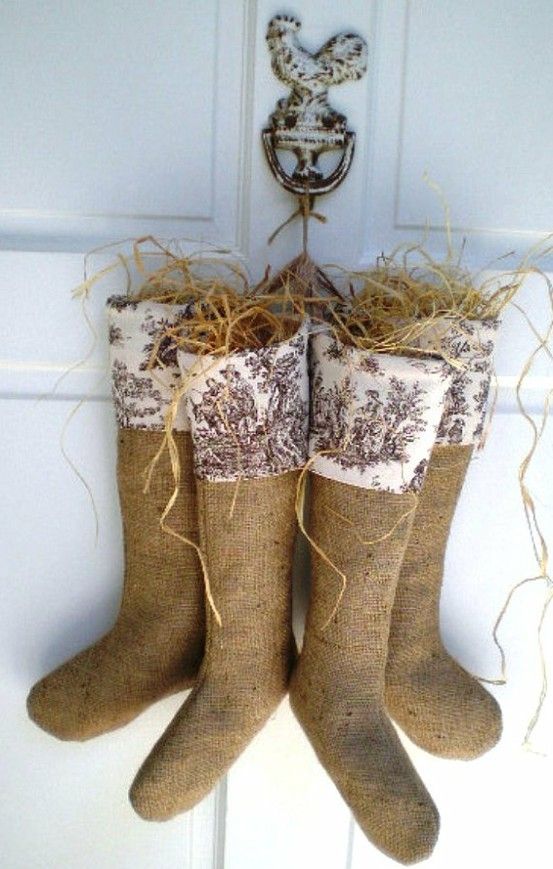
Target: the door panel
(125, 119)
(103, 106)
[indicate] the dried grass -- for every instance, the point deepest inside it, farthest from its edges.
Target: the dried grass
(391, 305)
(225, 311)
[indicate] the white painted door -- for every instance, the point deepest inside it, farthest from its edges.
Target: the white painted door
(143, 116)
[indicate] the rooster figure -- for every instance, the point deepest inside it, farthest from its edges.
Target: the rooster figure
(306, 112)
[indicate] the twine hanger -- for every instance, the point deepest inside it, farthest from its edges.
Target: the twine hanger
(305, 211)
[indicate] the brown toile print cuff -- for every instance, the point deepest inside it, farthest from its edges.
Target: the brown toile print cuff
(142, 392)
(248, 410)
(374, 417)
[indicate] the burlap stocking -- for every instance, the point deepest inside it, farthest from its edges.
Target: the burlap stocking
(249, 418)
(439, 705)
(373, 423)
(156, 644)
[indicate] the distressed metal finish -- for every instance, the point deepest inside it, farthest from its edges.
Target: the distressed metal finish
(304, 122)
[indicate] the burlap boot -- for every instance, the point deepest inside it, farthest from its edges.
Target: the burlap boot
(156, 644)
(248, 414)
(435, 701)
(373, 423)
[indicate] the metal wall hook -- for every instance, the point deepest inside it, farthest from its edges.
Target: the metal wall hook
(304, 122)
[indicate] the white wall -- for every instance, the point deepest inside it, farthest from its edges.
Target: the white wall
(129, 118)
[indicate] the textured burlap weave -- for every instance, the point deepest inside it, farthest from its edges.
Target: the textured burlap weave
(337, 689)
(437, 703)
(156, 644)
(248, 658)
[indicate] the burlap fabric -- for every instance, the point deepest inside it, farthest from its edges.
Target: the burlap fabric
(248, 413)
(437, 703)
(248, 545)
(337, 689)
(156, 644)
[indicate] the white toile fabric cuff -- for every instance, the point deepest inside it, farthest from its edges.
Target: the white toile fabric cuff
(248, 410)
(470, 345)
(143, 394)
(374, 417)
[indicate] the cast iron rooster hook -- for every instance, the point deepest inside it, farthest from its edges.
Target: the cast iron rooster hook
(305, 122)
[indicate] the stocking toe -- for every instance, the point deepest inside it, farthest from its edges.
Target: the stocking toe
(446, 711)
(47, 707)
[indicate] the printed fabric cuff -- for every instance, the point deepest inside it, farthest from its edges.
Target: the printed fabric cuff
(143, 394)
(374, 417)
(249, 410)
(470, 345)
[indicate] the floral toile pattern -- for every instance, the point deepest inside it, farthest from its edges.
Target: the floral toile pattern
(249, 410)
(470, 345)
(374, 417)
(144, 368)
